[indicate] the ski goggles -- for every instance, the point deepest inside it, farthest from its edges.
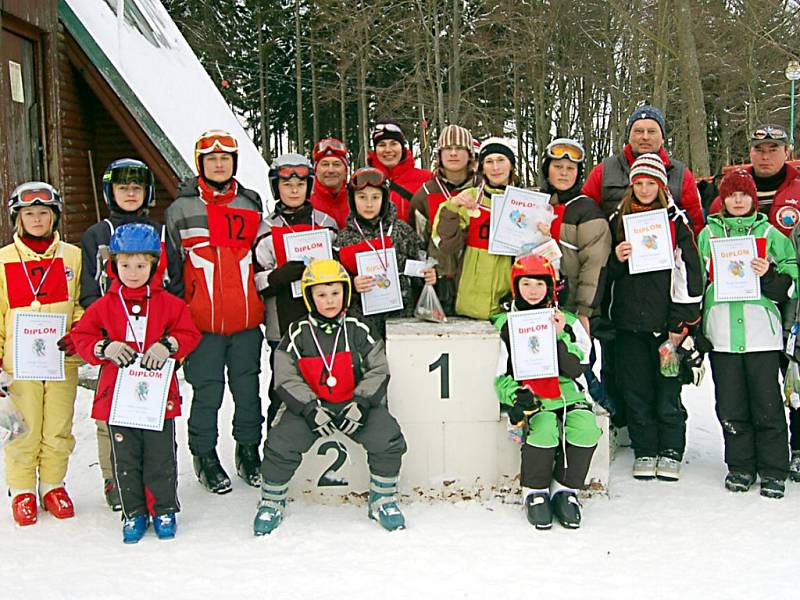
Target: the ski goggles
(367, 177)
(774, 133)
(286, 172)
(139, 175)
(565, 148)
(329, 146)
(388, 127)
(31, 196)
(216, 141)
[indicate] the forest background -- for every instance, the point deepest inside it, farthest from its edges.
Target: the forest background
(299, 70)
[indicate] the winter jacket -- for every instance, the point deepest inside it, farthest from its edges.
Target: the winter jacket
(333, 203)
(748, 325)
(95, 270)
(483, 278)
(608, 182)
(281, 307)
(217, 253)
(400, 237)
(362, 371)
(658, 301)
(784, 212)
(58, 293)
(166, 316)
(405, 179)
(573, 346)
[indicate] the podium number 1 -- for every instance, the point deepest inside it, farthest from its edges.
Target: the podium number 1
(443, 363)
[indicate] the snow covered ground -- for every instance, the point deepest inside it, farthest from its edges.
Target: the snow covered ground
(690, 539)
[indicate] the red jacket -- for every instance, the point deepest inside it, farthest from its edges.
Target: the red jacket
(168, 315)
(784, 213)
(334, 204)
(689, 200)
(404, 175)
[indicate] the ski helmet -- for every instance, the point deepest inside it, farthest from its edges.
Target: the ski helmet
(135, 238)
(291, 165)
(35, 193)
(215, 140)
(534, 266)
(324, 271)
(560, 148)
(128, 170)
(372, 177)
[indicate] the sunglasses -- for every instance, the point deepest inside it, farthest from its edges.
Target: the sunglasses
(367, 177)
(770, 132)
(560, 150)
(329, 146)
(216, 141)
(289, 171)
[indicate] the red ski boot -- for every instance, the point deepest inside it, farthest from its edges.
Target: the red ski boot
(58, 503)
(23, 507)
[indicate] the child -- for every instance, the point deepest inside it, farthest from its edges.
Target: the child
(291, 178)
(128, 190)
(554, 464)
(331, 375)
(373, 226)
(747, 342)
(134, 318)
(651, 313)
(461, 230)
(40, 274)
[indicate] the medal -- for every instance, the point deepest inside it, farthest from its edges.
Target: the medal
(330, 381)
(136, 309)
(474, 213)
(36, 304)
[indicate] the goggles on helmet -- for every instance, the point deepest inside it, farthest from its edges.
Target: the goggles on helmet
(132, 174)
(367, 177)
(38, 195)
(769, 132)
(286, 172)
(563, 148)
(329, 146)
(216, 141)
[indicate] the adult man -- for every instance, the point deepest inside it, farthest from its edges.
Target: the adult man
(609, 180)
(214, 221)
(391, 156)
(331, 167)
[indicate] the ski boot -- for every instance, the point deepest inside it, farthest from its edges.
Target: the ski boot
(165, 526)
(772, 487)
(57, 502)
(23, 507)
(133, 528)
(538, 510)
(668, 466)
(248, 464)
(644, 468)
(739, 482)
(270, 508)
(112, 495)
(567, 509)
(794, 466)
(210, 473)
(383, 503)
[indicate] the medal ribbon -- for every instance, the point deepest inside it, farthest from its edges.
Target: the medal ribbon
(35, 292)
(385, 260)
(328, 367)
(139, 345)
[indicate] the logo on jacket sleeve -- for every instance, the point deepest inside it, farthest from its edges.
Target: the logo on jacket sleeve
(68, 273)
(787, 216)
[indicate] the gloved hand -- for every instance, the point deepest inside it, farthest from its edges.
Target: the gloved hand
(157, 354)
(118, 353)
(5, 380)
(286, 274)
(525, 404)
(692, 368)
(668, 359)
(320, 420)
(352, 417)
(67, 346)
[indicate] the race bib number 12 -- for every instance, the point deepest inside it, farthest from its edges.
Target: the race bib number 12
(232, 227)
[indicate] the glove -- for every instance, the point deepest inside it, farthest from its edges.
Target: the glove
(320, 420)
(67, 346)
(118, 353)
(352, 418)
(5, 381)
(285, 275)
(692, 368)
(669, 361)
(157, 354)
(525, 404)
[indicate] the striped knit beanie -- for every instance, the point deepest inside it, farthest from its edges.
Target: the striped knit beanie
(455, 135)
(649, 165)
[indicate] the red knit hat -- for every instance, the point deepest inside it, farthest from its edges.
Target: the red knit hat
(649, 166)
(739, 180)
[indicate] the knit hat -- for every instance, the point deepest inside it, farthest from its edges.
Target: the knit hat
(387, 129)
(649, 165)
(455, 135)
(647, 112)
(497, 145)
(738, 180)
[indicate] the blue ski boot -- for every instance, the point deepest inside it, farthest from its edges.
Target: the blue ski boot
(271, 507)
(133, 528)
(383, 503)
(165, 526)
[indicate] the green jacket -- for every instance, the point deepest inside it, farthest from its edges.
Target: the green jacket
(751, 325)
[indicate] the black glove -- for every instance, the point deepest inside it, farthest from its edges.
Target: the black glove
(352, 417)
(285, 275)
(524, 402)
(691, 369)
(67, 346)
(320, 419)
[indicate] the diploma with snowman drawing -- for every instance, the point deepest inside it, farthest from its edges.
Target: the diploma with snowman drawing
(36, 353)
(306, 246)
(532, 334)
(514, 229)
(140, 396)
(651, 241)
(734, 278)
(381, 265)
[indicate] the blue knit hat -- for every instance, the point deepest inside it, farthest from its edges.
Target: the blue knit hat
(647, 112)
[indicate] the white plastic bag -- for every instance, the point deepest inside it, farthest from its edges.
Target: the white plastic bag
(429, 308)
(12, 425)
(791, 385)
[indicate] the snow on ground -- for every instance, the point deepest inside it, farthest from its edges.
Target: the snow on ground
(690, 539)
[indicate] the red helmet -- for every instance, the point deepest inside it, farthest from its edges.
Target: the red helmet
(532, 265)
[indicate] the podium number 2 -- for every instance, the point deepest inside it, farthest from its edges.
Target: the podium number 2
(443, 363)
(328, 478)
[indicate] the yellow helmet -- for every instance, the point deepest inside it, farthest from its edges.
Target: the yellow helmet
(324, 270)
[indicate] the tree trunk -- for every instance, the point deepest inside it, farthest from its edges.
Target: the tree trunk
(343, 103)
(426, 156)
(298, 64)
(437, 62)
(363, 116)
(314, 97)
(263, 100)
(455, 64)
(661, 62)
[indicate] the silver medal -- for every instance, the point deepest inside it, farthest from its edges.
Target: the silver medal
(331, 381)
(136, 309)
(36, 304)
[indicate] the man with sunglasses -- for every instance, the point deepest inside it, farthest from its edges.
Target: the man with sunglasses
(331, 168)
(391, 156)
(608, 181)
(214, 221)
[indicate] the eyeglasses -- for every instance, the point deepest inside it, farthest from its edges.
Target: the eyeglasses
(561, 148)
(216, 141)
(367, 177)
(286, 172)
(329, 146)
(769, 132)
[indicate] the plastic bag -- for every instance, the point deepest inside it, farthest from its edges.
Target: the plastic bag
(12, 425)
(669, 360)
(428, 306)
(791, 385)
